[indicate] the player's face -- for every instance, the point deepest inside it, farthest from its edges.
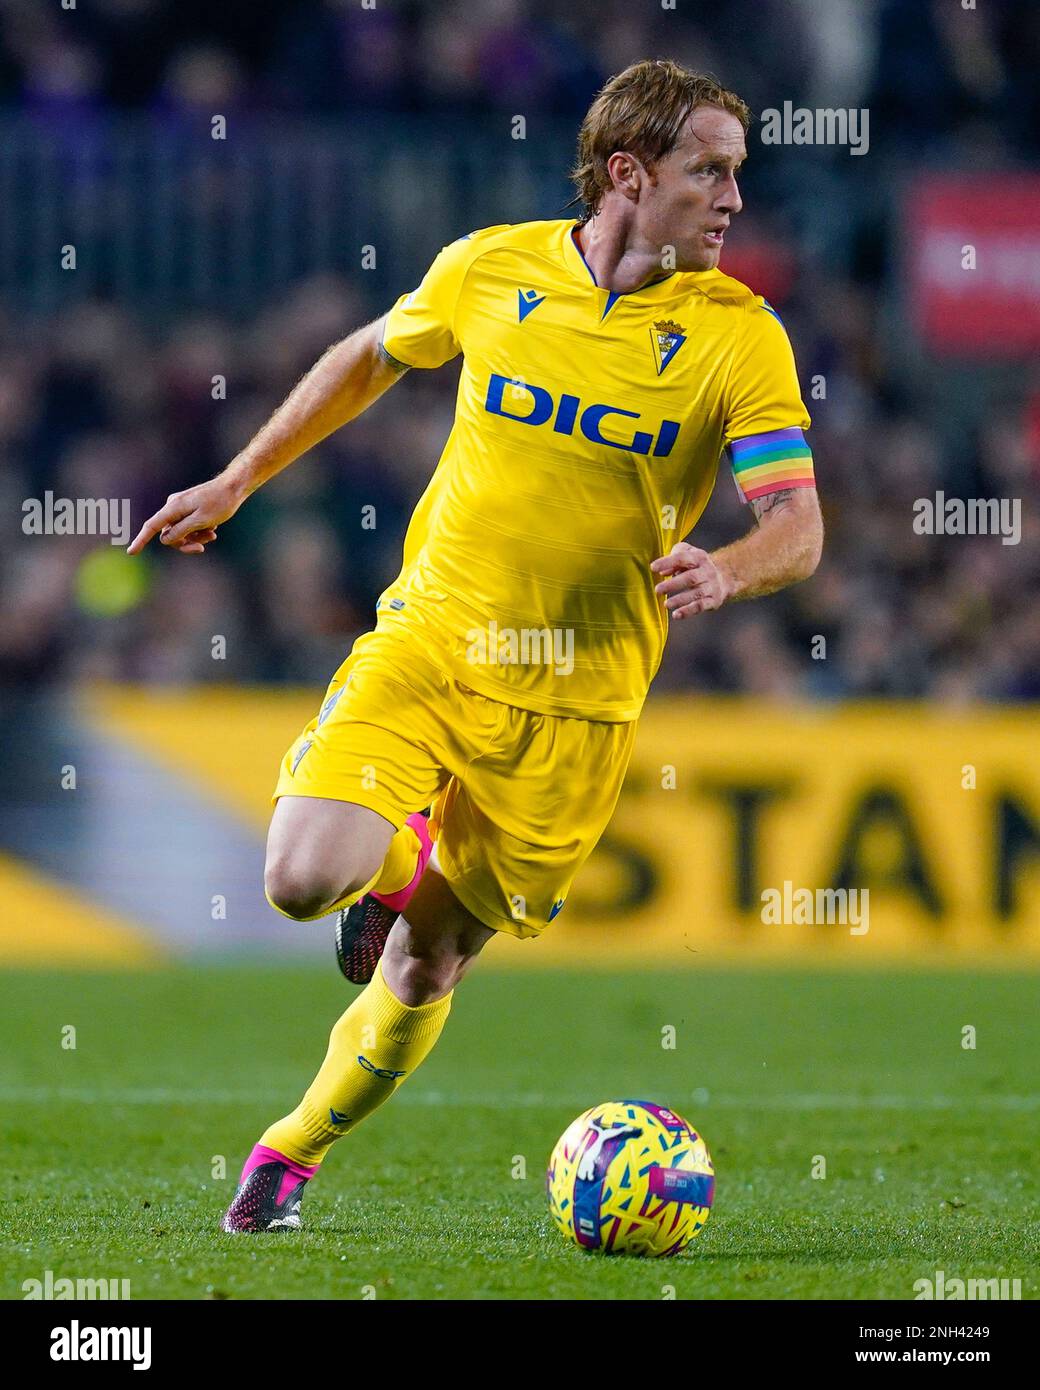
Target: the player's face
(694, 194)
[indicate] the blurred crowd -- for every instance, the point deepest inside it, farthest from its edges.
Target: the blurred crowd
(100, 403)
(926, 67)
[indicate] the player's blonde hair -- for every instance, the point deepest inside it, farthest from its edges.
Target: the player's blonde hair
(642, 111)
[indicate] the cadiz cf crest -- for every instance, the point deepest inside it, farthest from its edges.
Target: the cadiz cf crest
(666, 339)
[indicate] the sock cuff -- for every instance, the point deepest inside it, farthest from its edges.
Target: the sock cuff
(401, 866)
(406, 1023)
(299, 1139)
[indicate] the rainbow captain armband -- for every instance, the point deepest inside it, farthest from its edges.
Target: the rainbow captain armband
(764, 463)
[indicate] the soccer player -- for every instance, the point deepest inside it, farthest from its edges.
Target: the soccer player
(607, 363)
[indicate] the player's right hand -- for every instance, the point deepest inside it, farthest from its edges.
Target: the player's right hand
(189, 520)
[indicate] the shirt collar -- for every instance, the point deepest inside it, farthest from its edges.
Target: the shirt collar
(582, 272)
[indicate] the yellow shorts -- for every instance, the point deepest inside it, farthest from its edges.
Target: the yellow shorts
(519, 799)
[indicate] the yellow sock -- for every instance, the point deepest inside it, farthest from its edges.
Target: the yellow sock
(395, 872)
(373, 1047)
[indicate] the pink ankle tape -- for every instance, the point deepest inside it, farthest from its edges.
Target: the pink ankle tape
(261, 1155)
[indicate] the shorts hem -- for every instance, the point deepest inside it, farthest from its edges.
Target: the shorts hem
(486, 915)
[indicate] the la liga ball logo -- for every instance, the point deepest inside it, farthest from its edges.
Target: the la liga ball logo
(630, 1178)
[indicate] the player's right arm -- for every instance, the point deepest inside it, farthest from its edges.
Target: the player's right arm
(341, 384)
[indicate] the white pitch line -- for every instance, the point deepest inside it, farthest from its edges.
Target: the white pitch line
(162, 1095)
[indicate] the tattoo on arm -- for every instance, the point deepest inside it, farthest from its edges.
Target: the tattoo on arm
(761, 505)
(392, 362)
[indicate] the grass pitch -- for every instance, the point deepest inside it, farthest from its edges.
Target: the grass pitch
(110, 1148)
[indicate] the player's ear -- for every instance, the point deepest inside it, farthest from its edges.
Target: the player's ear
(625, 171)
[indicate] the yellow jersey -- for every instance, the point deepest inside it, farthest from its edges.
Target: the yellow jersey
(587, 436)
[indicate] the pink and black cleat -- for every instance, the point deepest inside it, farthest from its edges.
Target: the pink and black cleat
(361, 930)
(269, 1194)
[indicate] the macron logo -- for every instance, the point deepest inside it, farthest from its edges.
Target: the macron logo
(528, 301)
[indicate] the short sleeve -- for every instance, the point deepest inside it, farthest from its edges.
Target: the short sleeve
(420, 328)
(765, 415)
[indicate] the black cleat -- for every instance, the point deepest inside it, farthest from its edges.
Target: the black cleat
(361, 933)
(268, 1200)
(361, 930)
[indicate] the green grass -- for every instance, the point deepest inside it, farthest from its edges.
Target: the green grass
(930, 1149)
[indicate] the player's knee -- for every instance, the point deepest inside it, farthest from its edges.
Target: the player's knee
(297, 893)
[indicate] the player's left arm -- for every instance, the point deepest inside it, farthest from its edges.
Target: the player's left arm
(784, 548)
(765, 419)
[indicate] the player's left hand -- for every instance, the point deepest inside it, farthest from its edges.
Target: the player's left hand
(695, 583)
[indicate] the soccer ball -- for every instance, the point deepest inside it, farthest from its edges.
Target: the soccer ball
(628, 1177)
